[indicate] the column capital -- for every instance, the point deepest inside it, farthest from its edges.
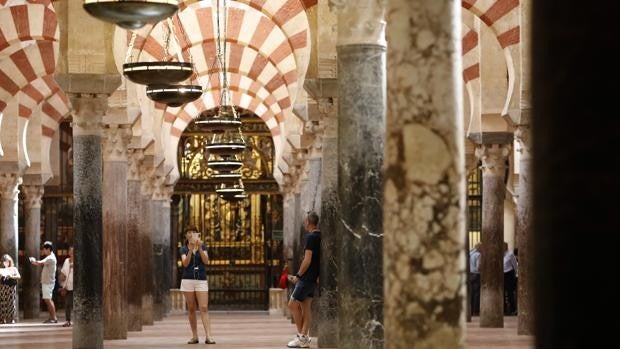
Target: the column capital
(9, 183)
(493, 157)
(147, 179)
(135, 156)
(522, 136)
(33, 195)
(360, 21)
(115, 141)
(163, 192)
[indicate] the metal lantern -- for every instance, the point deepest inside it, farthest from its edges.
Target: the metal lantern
(224, 163)
(131, 14)
(226, 144)
(230, 190)
(173, 95)
(157, 73)
(226, 119)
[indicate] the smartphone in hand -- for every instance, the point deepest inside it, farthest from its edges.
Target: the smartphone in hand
(32, 259)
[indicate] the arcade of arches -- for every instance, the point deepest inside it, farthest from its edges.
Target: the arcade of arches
(416, 129)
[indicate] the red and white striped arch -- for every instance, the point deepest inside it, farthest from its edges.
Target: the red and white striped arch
(268, 55)
(471, 72)
(23, 23)
(502, 16)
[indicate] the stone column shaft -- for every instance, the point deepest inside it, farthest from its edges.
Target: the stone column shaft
(9, 191)
(493, 158)
(115, 230)
(424, 188)
(361, 137)
(146, 233)
(135, 283)
(87, 221)
(33, 195)
(161, 248)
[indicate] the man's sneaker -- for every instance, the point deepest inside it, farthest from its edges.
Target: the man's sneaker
(299, 342)
(50, 321)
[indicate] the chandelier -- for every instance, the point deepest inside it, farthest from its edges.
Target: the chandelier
(131, 14)
(160, 77)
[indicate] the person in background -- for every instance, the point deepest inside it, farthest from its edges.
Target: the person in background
(474, 277)
(66, 281)
(282, 283)
(510, 281)
(48, 279)
(8, 290)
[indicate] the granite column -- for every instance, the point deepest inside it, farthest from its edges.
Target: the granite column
(9, 191)
(89, 98)
(114, 206)
(33, 195)
(146, 240)
(424, 191)
(494, 157)
(361, 136)
(135, 283)
(161, 248)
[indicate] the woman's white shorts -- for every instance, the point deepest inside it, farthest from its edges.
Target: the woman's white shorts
(189, 285)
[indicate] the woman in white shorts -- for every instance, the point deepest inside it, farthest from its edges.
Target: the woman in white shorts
(194, 282)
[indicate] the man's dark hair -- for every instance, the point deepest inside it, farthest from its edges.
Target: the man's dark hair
(313, 218)
(48, 245)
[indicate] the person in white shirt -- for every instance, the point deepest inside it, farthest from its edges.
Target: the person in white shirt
(8, 290)
(48, 278)
(66, 281)
(510, 281)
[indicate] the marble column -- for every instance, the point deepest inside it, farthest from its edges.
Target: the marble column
(174, 241)
(424, 191)
(493, 157)
(525, 234)
(89, 98)
(328, 302)
(114, 206)
(161, 248)
(134, 281)
(146, 241)
(9, 191)
(361, 136)
(33, 195)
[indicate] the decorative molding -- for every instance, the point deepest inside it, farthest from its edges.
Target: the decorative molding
(9, 183)
(33, 196)
(360, 21)
(88, 110)
(493, 157)
(135, 157)
(523, 138)
(115, 141)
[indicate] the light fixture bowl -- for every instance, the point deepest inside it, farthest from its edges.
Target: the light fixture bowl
(131, 14)
(173, 95)
(227, 177)
(225, 148)
(234, 198)
(224, 164)
(157, 73)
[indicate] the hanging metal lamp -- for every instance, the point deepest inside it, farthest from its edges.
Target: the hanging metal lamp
(158, 73)
(234, 198)
(230, 189)
(226, 144)
(131, 14)
(226, 119)
(173, 95)
(227, 177)
(224, 163)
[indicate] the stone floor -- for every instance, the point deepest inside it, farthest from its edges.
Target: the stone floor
(231, 330)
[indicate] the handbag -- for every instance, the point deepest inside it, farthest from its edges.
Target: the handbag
(62, 291)
(5, 280)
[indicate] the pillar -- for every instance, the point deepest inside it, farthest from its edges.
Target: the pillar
(137, 266)
(33, 195)
(424, 189)
(493, 157)
(524, 233)
(114, 205)
(575, 176)
(361, 135)
(174, 242)
(328, 302)
(9, 183)
(146, 241)
(89, 98)
(161, 247)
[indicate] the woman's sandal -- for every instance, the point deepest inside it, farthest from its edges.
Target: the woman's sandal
(209, 340)
(193, 341)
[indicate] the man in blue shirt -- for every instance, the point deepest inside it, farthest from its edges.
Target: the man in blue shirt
(305, 282)
(474, 279)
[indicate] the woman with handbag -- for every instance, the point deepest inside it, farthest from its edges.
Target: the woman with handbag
(66, 281)
(194, 283)
(8, 290)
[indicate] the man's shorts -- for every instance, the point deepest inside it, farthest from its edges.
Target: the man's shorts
(189, 285)
(47, 290)
(303, 290)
